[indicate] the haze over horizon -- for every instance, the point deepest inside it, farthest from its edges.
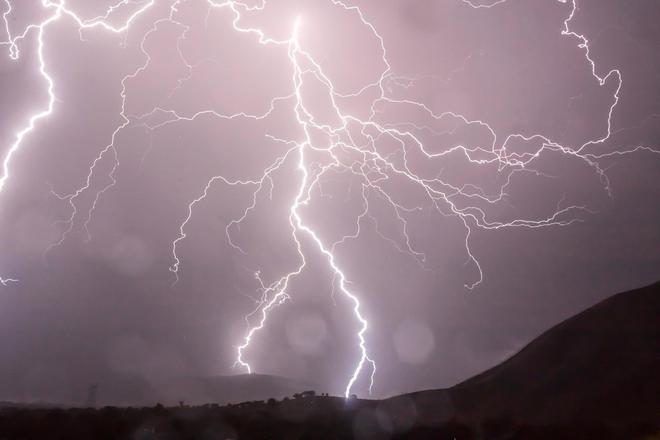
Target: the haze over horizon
(103, 304)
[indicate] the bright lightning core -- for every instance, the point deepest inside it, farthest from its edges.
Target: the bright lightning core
(378, 153)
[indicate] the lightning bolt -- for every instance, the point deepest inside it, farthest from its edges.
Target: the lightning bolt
(353, 146)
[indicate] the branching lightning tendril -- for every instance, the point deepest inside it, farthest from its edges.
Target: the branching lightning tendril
(366, 162)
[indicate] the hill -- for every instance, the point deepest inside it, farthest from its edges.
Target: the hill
(602, 365)
(223, 390)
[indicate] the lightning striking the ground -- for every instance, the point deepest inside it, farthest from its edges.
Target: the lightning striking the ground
(350, 145)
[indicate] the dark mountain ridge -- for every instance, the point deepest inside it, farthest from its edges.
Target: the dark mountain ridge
(601, 365)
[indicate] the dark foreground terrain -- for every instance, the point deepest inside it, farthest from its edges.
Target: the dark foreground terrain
(594, 376)
(304, 418)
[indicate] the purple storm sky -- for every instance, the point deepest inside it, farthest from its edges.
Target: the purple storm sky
(390, 160)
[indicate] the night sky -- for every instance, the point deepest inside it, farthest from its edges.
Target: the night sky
(553, 229)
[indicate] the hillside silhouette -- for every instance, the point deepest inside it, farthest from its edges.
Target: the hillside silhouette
(602, 365)
(222, 390)
(594, 376)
